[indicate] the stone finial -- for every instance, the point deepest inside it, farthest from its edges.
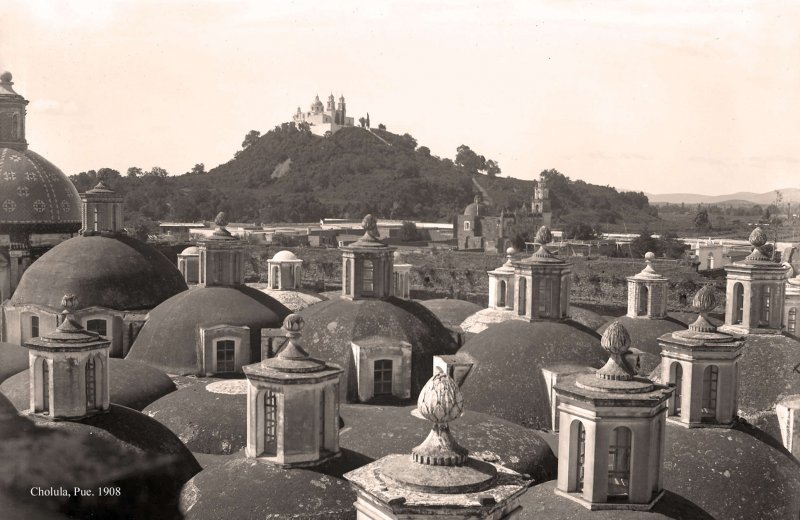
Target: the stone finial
(6, 77)
(543, 236)
(68, 324)
(510, 252)
(758, 239)
(704, 301)
(370, 225)
(440, 402)
(220, 219)
(616, 341)
(293, 325)
(476, 199)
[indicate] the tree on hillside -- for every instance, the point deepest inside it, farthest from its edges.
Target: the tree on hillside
(492, 168)
(157, 171)
(469, 160)
(134, 172)
(579, 231)
(108, 175)
(644, 243)
(198, 169)
(701, 220)
(251, 137)
(381, 126)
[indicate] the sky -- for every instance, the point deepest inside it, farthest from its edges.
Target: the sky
(662, 97)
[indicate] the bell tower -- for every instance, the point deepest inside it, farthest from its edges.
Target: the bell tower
(12, 115)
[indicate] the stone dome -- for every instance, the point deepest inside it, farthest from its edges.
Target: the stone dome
(211, 418)
(293, 299)
(284, 256)
(736, 474)
(191, 250)
(451, 312)
(131, 384)
(644, 332)
(13, 360)
(332, 325)
(542, 502)
(506, 380)
(112, 271)
(168, 340)
(477, 209)
(586, 317)
(35, 196)
(247, 489)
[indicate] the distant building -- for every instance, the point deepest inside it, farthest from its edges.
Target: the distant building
(479, 227)
(324, 119)
(711, 255)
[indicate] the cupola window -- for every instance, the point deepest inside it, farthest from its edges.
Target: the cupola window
(791, 322)
(226, 350)
(270, 422)
(90, 385)
(16, 128)
(382, 377)
(676, 379)
(522, 308)
(765, 301)
(710, 379)
(368, 287)
(34, 326)
(97, 325)
(619, 462)
(45, 387)
(738, 302)
(467, 225)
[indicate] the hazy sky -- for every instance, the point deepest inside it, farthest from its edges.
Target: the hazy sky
(659, 96)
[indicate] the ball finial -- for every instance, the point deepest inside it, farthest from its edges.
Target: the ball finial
(294, 323)
(510, 251)
(649, 256)
(616, 339)
(5, 77)
(757, 238)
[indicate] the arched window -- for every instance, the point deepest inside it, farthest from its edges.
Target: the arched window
(676, 377)
(501, 296)
(619, 462)
(16, 128)
(97, 325)
(367, 286)
(791, 322)
(275, 274)
(91, 398)
(523, 292)
(467, 225)
(580, 453)
(226, 350)
(709, 404)
(45, 386)
(641, 307)
(766, 297)
(738, 303)
(34, 326)
(382, 382)
(96, 218)
(346, 277)
(270, 422)
(710, 260)
(543, 295)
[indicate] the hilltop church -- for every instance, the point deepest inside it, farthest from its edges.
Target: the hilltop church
(325, 119)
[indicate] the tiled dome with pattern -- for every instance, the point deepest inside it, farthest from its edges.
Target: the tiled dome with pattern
(35, 194)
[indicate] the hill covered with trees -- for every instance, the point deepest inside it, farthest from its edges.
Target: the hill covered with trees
(291, 175)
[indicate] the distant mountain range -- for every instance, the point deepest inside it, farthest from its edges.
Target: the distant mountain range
(743, 197)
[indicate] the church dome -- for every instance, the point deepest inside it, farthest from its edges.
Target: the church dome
(332, 325)
(191, 250)
(131, 384)
(13, 360)
(477, 209)
(506, 380)
(35, 196)
(451, 312)
(169, 338)
(112, 271)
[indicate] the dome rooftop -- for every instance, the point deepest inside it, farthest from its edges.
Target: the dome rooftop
(191, 250)
(285, 256)
(210, 416)
(117, 272)
(506, 380)
(735, 474)
(168, 340)
(36, 195)
(451, 312)
(477, 209)
(246, 489)
(295, 300)
(586, 317)
(333, 324)
(13, 360)
(131, 384)
(644, 332)
(542, 502)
